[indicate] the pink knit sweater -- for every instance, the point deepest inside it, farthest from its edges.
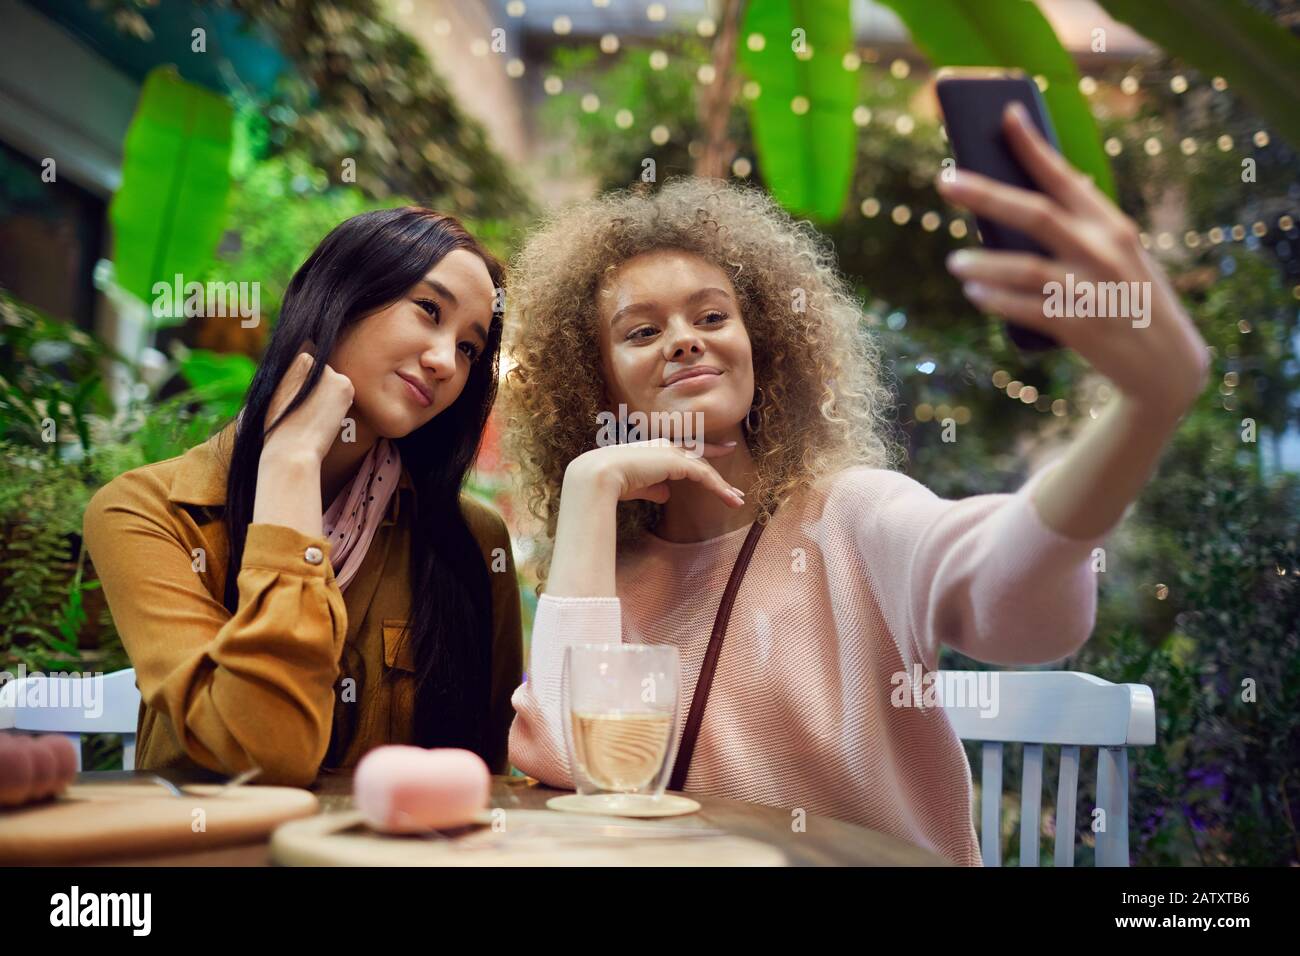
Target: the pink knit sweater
(852, 584)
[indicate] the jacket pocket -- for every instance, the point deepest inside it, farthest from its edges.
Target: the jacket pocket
(398, 650)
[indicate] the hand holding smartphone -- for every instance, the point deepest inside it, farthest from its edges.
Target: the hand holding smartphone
(973, 104)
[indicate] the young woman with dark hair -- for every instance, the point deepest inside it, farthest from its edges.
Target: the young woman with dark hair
(311, 582)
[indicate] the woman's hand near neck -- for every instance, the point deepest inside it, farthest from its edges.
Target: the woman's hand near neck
(342, 461)
(586, 532)
(295, 490)
(694, 512)
(293, 476)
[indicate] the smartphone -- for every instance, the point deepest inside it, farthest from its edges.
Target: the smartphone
(973, 101)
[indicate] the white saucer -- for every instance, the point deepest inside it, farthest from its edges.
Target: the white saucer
(624, 804)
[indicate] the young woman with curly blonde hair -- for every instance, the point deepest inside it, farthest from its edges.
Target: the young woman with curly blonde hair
(706, 298)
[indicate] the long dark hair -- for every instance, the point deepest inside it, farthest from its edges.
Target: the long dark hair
(365, 264)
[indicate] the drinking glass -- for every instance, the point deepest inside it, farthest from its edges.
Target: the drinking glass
(620, 722)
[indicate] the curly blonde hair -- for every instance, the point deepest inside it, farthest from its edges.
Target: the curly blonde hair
(823, 402)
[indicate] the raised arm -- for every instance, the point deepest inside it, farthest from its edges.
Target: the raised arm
(981, 574)
(251, 689)
(1151, 351)
(254, 688)
(580, 605)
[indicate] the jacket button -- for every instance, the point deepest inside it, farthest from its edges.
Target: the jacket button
(314, 555)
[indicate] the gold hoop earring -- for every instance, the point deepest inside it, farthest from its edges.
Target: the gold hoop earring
(752, 421)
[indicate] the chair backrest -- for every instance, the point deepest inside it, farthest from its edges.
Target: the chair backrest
(74, 705)
(1063, 708)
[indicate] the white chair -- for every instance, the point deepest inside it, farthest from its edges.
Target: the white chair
(1064, 708)
(72, 706)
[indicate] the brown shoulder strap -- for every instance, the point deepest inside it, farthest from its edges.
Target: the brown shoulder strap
(701, 696)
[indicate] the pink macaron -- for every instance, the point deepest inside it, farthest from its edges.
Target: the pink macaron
(402, 789)
(17, 770)
(46, 783)
(65, 757)
(34, 768)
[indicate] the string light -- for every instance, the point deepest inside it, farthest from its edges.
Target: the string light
(904, 124)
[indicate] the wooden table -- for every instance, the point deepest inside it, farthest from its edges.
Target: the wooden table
(823, 842)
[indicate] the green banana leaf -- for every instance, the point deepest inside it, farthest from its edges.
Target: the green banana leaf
(170, 210)
(806, 159)
(1226, 38)
(1012, 33)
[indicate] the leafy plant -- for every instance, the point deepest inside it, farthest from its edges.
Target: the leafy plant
(49, 374)
(41, 501)
(1226, 38)
(364, 90)
(168, 213)
(803, 114)
(613, 155)
(1012, 33)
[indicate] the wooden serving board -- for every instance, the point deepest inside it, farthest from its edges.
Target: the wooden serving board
(96, 821)
(525, 838)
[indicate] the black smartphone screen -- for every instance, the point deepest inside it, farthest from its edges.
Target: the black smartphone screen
(972, 114)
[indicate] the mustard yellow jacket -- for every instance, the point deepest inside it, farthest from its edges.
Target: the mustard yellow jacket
(303, 678)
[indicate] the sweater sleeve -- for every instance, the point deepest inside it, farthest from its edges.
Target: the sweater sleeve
(537, 735)
(981, 574)
(250, 689)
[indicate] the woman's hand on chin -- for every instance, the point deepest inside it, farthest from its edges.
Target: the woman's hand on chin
(586, 530)
(1132, 328)
(642, 470)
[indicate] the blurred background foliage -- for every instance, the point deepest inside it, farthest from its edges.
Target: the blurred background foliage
(1200, 598)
